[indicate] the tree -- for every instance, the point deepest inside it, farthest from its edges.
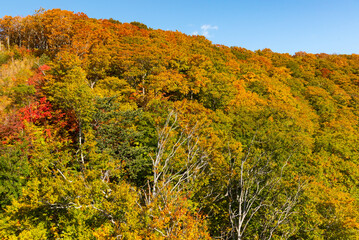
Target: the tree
(117, 134)
(168, 174)
(14, 171)
(73, 93)
(255, 194)
(177, 162)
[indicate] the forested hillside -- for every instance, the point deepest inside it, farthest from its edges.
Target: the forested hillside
(113, 130)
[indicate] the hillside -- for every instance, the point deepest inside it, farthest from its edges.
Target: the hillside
(113, 130)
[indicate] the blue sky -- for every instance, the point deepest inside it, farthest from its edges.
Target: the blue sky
(286, 26)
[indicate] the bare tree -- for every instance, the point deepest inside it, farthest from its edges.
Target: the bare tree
(176, 163)
(167, 177)
(253, 186)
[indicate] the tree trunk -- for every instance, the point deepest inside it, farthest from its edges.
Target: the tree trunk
(8, 42)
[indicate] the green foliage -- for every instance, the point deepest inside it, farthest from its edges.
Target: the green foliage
(14, 172)
(4, 57)
(21, 94)
(44, 59)
(114, 21)
(140, 25)
(119, 135)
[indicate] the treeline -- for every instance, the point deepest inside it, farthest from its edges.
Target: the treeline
(120, 131)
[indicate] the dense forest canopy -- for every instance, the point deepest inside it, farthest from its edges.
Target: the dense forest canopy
(113, 130)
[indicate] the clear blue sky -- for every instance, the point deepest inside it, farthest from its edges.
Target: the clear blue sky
(313, 26)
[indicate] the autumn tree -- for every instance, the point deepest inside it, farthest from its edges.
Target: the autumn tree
(255, 189)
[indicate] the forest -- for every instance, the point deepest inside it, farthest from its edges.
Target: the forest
(113, 130)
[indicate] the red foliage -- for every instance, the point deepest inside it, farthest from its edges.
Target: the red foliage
(38, 78)
(42, 113)
(44, 67)
(37, 112)
(9, 127)
(325, 72)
